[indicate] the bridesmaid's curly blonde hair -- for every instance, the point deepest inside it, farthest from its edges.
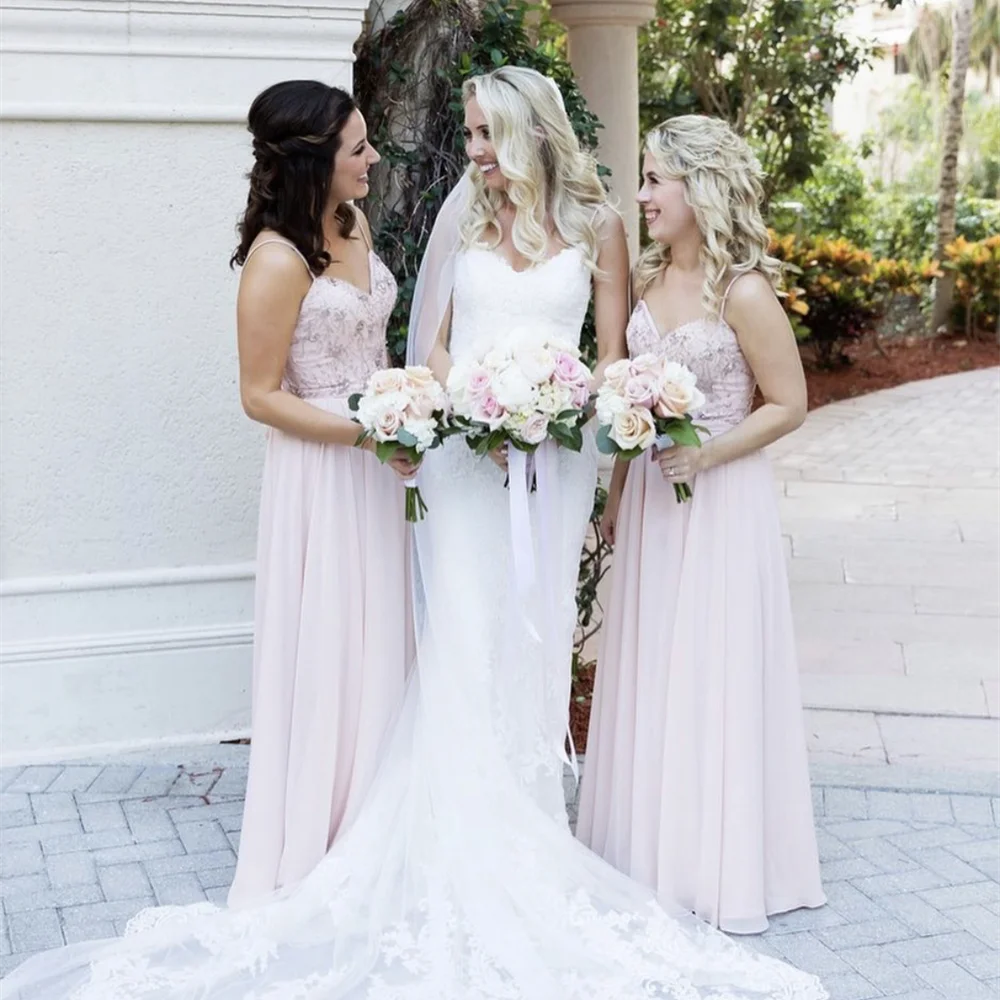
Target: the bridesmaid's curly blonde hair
(722, 184)
(549, 177)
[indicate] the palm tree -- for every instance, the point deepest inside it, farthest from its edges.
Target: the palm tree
(986, 39)
(961, 50)
(929, 45)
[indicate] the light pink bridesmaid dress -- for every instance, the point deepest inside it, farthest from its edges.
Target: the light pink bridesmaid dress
(332, 601)
(696, 780)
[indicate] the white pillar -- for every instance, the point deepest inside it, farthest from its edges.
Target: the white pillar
(603, 50)
(130, 476)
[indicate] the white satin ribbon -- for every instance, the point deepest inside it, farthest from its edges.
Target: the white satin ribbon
(544, 466)
(520, 466)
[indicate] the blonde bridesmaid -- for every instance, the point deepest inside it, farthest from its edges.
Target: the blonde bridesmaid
(331, 633)
(696, 780)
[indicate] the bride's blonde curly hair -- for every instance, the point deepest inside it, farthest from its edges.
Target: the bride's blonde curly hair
(722, 181)
(549, 177)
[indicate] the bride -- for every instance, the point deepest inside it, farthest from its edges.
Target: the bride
(458, 878)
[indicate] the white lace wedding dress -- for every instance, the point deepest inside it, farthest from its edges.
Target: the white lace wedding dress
(458, 878)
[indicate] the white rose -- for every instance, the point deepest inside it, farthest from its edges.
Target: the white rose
(553, 399)
(677, 392)
(633, 429)
(535, 429)
(558, 345)
(387, 380)
(513, 390)
(497, 360)
(535, 362)
(609, 405)
(617, 374)
(420, 377)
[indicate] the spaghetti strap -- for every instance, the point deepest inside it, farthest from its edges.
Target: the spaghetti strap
(729, 288)
(364, 236)
(287, 243)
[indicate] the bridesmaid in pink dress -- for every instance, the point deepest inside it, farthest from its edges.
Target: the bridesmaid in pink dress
(696, 779)
(331, 618)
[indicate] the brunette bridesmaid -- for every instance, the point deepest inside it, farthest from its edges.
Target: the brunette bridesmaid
(331, 621)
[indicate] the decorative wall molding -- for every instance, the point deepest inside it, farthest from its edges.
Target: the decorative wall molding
(120, 579)
(118, 660)
(165, 60)
(127, 643)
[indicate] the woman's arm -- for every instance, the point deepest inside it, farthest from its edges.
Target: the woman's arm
(611, 293)
(439, 360)
(767, 342)
(272, 287)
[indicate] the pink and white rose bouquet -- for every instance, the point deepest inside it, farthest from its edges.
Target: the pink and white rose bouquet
(646, 400)
(523, 391)
(404, 410)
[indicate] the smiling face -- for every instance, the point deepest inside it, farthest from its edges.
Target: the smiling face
(479, 146)
(664, 204)
(354, 156)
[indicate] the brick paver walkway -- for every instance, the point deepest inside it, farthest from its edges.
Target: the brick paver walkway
(912, 876)
(891, 509)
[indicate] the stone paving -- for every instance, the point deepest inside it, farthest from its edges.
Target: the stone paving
(911, 875)
(890, 505)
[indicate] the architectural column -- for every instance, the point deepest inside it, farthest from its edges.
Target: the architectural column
(603, 50)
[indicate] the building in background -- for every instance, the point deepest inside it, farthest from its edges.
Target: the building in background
(860, 101)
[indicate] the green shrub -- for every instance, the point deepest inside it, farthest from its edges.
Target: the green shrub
(977, 283)
(841, 291)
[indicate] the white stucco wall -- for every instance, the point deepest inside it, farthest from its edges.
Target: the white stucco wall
(128, 474)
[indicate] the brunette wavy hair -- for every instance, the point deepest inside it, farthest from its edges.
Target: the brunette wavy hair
(296, 128)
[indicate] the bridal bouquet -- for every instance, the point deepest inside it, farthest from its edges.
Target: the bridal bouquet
(404, 410)
(644, 401)
(523, 391)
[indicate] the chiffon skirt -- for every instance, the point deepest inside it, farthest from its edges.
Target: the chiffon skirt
(696, 780)
(331, 646)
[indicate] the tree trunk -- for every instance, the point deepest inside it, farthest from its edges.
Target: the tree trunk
(961, 38)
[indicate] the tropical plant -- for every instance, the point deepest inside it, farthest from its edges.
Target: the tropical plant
(951, 139)
(976, 269)
(840, 291)
(769, 67)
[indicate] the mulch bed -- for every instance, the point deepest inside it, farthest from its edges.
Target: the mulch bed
(899, 361)
(903, 361)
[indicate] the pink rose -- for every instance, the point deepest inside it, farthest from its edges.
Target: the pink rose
(640, 390)
(486, 409)
(388, 424)
(479, 382)
(570, 371)
(643, 363)
(581, 396)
